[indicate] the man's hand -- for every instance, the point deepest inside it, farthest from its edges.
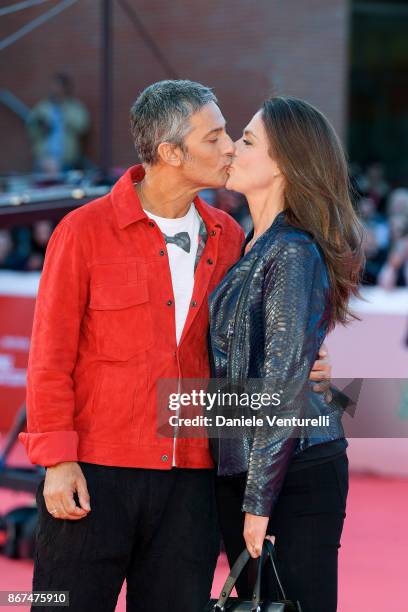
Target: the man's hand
(254, 533)
(61, 482)
(321, 371)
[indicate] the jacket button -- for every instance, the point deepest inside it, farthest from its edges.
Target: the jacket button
(162, 252)
(169, 302)
(164, 457)
(213, 232)
(210, 261)
(151, 223)
(194, 303)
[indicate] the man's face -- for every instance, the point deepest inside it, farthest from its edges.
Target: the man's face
(209, 149)
(57, 92)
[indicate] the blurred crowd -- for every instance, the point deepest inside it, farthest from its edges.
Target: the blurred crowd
(383, 211)
(23, 248)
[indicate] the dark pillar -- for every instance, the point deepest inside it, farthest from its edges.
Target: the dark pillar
(106, 79)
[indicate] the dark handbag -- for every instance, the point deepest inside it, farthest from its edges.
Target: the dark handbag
(225, 603)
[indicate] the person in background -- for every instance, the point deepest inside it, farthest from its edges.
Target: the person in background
(394, 271)
(398, 202)
(376, 239)
(372, 183)
(56, 126)
(11, 257)
(40, 235)
(6, 247)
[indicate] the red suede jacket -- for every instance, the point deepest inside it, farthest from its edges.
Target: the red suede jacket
(104, 334)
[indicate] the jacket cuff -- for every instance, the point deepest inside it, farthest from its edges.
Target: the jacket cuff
(260, 507)
(50, 447)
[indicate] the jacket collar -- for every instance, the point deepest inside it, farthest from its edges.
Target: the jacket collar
(126, 204)
(208, 214)
(128, 208)
(279, 220)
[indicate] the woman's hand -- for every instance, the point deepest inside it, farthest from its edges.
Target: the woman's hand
(321, 371)
(254, 533)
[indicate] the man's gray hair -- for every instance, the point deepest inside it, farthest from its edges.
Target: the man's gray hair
(161, 114)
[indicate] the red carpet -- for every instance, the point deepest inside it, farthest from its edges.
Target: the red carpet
(372, 558)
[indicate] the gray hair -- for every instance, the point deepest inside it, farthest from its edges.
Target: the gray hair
(161, 114)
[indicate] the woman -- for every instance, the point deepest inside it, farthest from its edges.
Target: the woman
(269, 317)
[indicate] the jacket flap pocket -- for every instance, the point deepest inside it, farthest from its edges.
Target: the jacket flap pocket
(106, 297)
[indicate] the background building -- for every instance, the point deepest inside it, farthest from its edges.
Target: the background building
(245, 49)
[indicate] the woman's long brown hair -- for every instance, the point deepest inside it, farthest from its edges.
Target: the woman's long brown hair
(317, 193)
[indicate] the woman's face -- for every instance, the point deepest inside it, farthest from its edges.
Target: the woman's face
(252, 168)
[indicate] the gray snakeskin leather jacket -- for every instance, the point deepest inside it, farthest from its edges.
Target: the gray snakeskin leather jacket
(268, 319)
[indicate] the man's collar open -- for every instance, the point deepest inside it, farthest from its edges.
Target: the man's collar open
(128, 208)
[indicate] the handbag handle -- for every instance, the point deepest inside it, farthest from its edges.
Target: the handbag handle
(268, 550)
(229, 584)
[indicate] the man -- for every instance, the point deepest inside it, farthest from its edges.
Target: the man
(123, 303)
(56, 126)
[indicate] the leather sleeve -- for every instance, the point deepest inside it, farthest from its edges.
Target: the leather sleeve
(295, 301)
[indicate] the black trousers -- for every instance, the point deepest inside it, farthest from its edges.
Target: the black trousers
(307, 522)
(157, 529)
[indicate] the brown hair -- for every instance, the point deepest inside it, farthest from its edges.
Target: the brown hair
(317, 193)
